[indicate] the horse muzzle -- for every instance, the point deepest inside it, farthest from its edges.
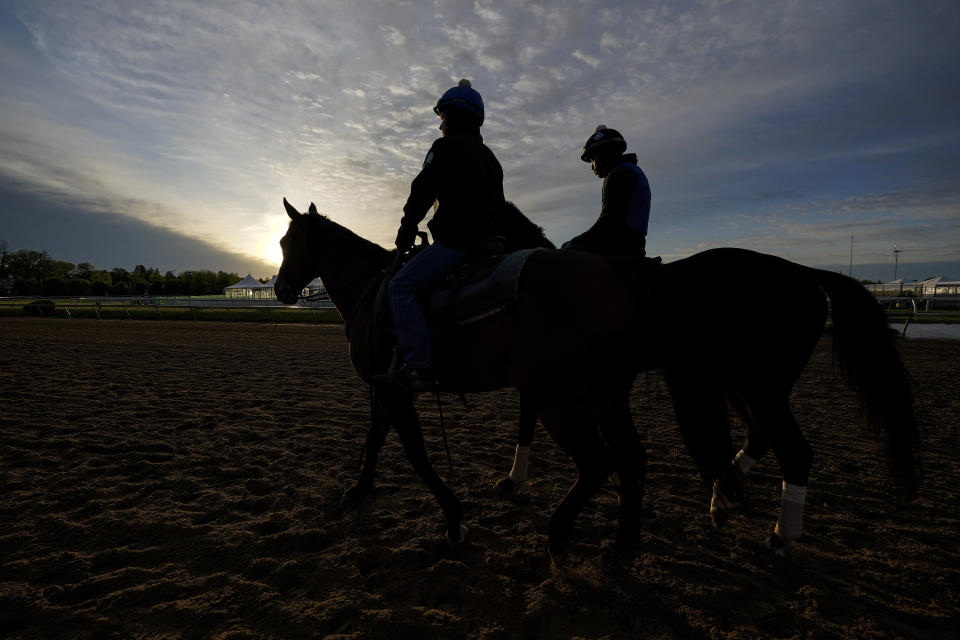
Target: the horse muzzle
(284, 293)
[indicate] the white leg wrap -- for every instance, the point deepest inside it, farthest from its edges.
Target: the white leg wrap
(744, 461)
(519, 471)
(790, 523)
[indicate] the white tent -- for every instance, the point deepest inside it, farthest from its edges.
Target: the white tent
(265, 291)
(315, 286)
(243, 289)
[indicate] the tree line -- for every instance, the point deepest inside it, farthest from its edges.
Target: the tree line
(30, 273)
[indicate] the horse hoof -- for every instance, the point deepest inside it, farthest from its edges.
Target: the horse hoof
(777, 545)
(629, 541)
(504, 487)
(719, 517)
(453, 544)
(557, 561)
(352, 498)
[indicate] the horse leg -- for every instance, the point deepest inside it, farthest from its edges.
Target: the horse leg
(774, 418)
(728, 488)
(630, 461)
(376, 436)
(572, 431)
(701, 411)
(399, 406)
(521, 456)
(755, 444)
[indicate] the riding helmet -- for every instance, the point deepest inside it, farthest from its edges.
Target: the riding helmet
(463, 98)
(603, 140)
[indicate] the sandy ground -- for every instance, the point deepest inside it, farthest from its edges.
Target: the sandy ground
(181, 480)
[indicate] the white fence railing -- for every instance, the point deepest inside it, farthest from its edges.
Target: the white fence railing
(195, 302)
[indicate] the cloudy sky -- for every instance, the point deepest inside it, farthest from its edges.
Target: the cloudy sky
(166, 132)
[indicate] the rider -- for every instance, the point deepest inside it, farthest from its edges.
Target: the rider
(463, 181)
(621, 229)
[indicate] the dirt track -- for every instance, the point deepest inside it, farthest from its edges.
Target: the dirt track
(168, 480)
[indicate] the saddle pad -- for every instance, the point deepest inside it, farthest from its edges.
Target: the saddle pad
(478, 300)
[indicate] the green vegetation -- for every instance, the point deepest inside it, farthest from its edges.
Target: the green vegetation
(944, 316)
(146, 311)
(35, 273)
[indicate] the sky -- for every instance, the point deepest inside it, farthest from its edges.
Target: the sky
(166, 133)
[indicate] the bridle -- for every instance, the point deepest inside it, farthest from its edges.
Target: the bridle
(326, 293)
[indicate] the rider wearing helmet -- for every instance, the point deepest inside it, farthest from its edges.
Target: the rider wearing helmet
(621, 229)
(463, 181)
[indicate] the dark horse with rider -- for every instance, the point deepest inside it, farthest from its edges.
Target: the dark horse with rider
(487, 306)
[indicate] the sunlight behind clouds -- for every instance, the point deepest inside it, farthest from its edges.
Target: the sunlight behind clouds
(216, 110)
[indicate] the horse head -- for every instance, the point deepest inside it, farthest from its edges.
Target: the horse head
(316, 246)
(299, 261)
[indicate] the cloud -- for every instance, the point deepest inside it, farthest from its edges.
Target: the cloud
(738, 110)
(590, 60)
(99, 233)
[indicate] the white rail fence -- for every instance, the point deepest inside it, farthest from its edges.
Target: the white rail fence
(67, 306)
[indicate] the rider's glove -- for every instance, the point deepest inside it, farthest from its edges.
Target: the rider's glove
(405, 237)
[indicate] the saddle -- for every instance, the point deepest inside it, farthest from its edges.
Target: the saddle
(479, 288)
(642, 273)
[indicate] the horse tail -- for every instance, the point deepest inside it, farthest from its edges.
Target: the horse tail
(865, 349)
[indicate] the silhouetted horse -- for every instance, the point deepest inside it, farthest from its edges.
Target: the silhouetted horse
(576, 336)
(723, 349)
(581, 385)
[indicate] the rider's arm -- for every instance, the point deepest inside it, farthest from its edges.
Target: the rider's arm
(603, 236)
(423, 190)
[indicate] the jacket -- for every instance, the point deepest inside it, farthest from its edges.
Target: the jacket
(465, 179)
(621, 229)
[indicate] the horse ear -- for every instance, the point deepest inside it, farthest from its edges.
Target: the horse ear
(293, 213)
(313, 208)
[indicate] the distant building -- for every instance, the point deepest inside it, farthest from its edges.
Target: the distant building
(249, 289)
(252, 289)
(315, 286)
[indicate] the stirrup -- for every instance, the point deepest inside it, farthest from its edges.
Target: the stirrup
(407, 378)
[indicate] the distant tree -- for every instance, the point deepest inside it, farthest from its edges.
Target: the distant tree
(4, 253)
(26, 287)
(61, 269)
(30, 265)
(78, 287)
(54, 286)
(118, 275)
(101, 276)
(35, 272)
(83, 270)
(225, 280)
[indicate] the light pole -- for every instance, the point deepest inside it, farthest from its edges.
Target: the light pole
(896, 260)
(850, 271)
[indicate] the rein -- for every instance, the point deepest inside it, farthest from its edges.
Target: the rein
(326, 295)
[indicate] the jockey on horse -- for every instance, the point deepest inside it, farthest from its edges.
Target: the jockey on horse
(463, 180)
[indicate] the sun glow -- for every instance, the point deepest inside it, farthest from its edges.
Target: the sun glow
(273, 255)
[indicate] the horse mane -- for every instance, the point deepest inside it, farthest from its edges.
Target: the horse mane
(521, 232)
(360, 246)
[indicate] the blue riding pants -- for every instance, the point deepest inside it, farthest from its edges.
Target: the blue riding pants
(424, 269)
